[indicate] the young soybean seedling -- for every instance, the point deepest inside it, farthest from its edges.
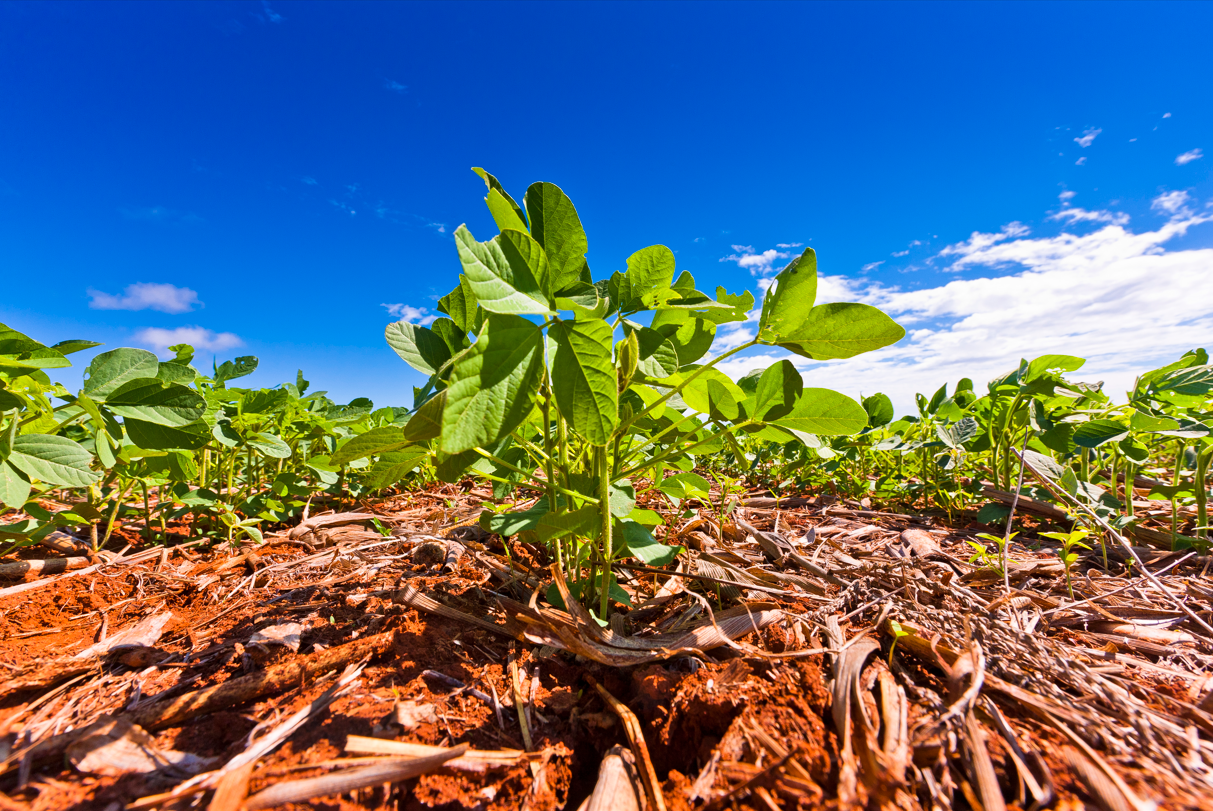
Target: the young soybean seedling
(991, 559)
(1069, 541)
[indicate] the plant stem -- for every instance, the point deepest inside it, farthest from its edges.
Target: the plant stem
(1202, 494)
(662, 399)
(604, 510)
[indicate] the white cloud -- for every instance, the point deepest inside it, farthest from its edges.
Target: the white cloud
(395, 87)
(1166, 115)
(1188, 157)
(159, 214)
(1073, 215)
(1080, 161)
(978, 241)
(159, 340)
(166, 298)
(1066, 196)
(789, 245)
(1088, 137)
(872, 266)
(270, 14)
(1115, 297)
(414, 315)
(759, 264)
(1174, 203)
(906, 252)
(311, 181)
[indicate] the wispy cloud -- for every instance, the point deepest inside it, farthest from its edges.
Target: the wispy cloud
(787, 245)
(1188, 157)
(166, 298)
(268, 15)
(758, 263)
(395, 86)
(872, 266)
(159, 340)
(1166, 115)
(981, 327)
(1081, 161)
(414, 315)
(158, 214)
(1066, 196)
(1088, 137)
(308, 180)
(1075, 214)
(978, 242)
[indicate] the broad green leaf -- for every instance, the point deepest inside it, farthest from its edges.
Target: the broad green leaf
(584, 300)
(692, 337)
(503, 213)
(426, 422)
(658, 355)
(649, 396)
(841, 330)
(777, 391)
(638, 542)
(1140, 421)
(73, 345)
(109, 370)
(173, 372)
(494, 185)
(264, 401)
(879, 408)
(556, 226)
(714, 394)
(14, 488)
(582, 523)
(52, 460)
(508, 524)
(685, 485)
(270, 445)
(521, 251)
(1194, 381)
(500, 286)
(456, 339)
(242, 366)
(374, 441)
(583, 378)
(1051, 363)
(649, 269)
(789, 299)
(151, 401)
(1096, 432)
(460, 305)
(420, 347)
(825, 412)
(20, 350)
(225, 434)
(394, 466)
(162, 437)
(622, 498)
(493, 384)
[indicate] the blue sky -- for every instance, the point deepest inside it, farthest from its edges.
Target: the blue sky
(262, 178)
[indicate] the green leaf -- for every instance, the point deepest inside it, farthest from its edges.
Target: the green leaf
(1053, 363)
(583, 523)
(789, 299)
(242, 366)
(14, 488)
(426, 422)
(52, 460)
(500, 286)
(1140, 421)
(879, 408)
(270, 445)
(622, 498)
(162, 437)
(1195, 381)
(638, 542)
(841, 330)
(493, 384)
(420, 347)
(521, 251)
(1096, 432)
(685, 485)
(264, 401)
(394, 466)
(692, 337)
(649, 269)
(825, 412)
(714, 394)
(507, 524)
(18, 349)
(374, 441)
(556, 226)
(583, 378)
(658, 355)
(776, 392)
(494, 185)
(460, 305)
(456, 339)
(584, 300)
(112, 369)
(503, 213)
(73, 345)
(173, 372)
(149, 400)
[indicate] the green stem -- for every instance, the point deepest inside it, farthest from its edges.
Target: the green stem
(663, 398)
(604, 510)
(1202, 494)
(677, 451)
(1179, 461)
(542, 485)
